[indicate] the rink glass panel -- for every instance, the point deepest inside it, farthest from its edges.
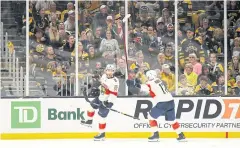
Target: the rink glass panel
(13, 48)
(101, 42)
(56, 76)
(233, 46)
(201, 48)
(51, 48)
(151, 43)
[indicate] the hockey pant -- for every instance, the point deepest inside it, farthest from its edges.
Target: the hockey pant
(102, 112)
(166, 109)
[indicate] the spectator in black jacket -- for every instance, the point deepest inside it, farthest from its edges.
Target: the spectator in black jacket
(70, 45)
(133, 83)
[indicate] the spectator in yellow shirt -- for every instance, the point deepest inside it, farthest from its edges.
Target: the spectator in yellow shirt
(191, 76)
(139, 62)
(168, 77)
(141, 73)
(184, 88)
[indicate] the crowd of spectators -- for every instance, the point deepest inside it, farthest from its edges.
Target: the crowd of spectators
(151, 44)
(52, 46)
(201, 48)
(200, 45)
(101, 34)
(233, 38)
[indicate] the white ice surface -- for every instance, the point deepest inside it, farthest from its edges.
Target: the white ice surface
(122, 143)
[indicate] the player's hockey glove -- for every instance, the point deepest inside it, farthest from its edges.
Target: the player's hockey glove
(107, 104)
(95, 92)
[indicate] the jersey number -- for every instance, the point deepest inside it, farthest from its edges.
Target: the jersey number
(162, 86)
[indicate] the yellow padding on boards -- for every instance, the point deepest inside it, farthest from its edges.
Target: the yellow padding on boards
(87, 135)
(233, 134)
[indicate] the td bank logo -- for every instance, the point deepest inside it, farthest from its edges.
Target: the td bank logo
(54, 114)
(26, 114)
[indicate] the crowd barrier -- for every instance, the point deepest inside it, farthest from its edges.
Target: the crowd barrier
(56, 118)
(11, 71)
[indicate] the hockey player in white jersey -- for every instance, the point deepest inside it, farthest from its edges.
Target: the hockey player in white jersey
(163, 105)
(108, 94)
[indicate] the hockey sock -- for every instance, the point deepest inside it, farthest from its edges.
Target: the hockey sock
(154, 125)
(90, 114)
(175, 126)
(102, 127)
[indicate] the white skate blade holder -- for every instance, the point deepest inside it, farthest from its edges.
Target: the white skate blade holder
(183, 140)
(90, 126)
(101, 139)
(153, 140)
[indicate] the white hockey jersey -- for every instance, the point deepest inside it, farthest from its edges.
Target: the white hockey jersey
(108, 89)
(157, 90)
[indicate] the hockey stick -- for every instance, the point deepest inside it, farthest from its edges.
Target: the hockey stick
(116, 111)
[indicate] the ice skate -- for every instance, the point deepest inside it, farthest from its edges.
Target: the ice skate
(87, 123)
(181, 138)
(154, 137)
(100, 137)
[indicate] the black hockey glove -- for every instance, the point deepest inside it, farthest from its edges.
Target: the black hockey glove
(107, 104)
(95, 92)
